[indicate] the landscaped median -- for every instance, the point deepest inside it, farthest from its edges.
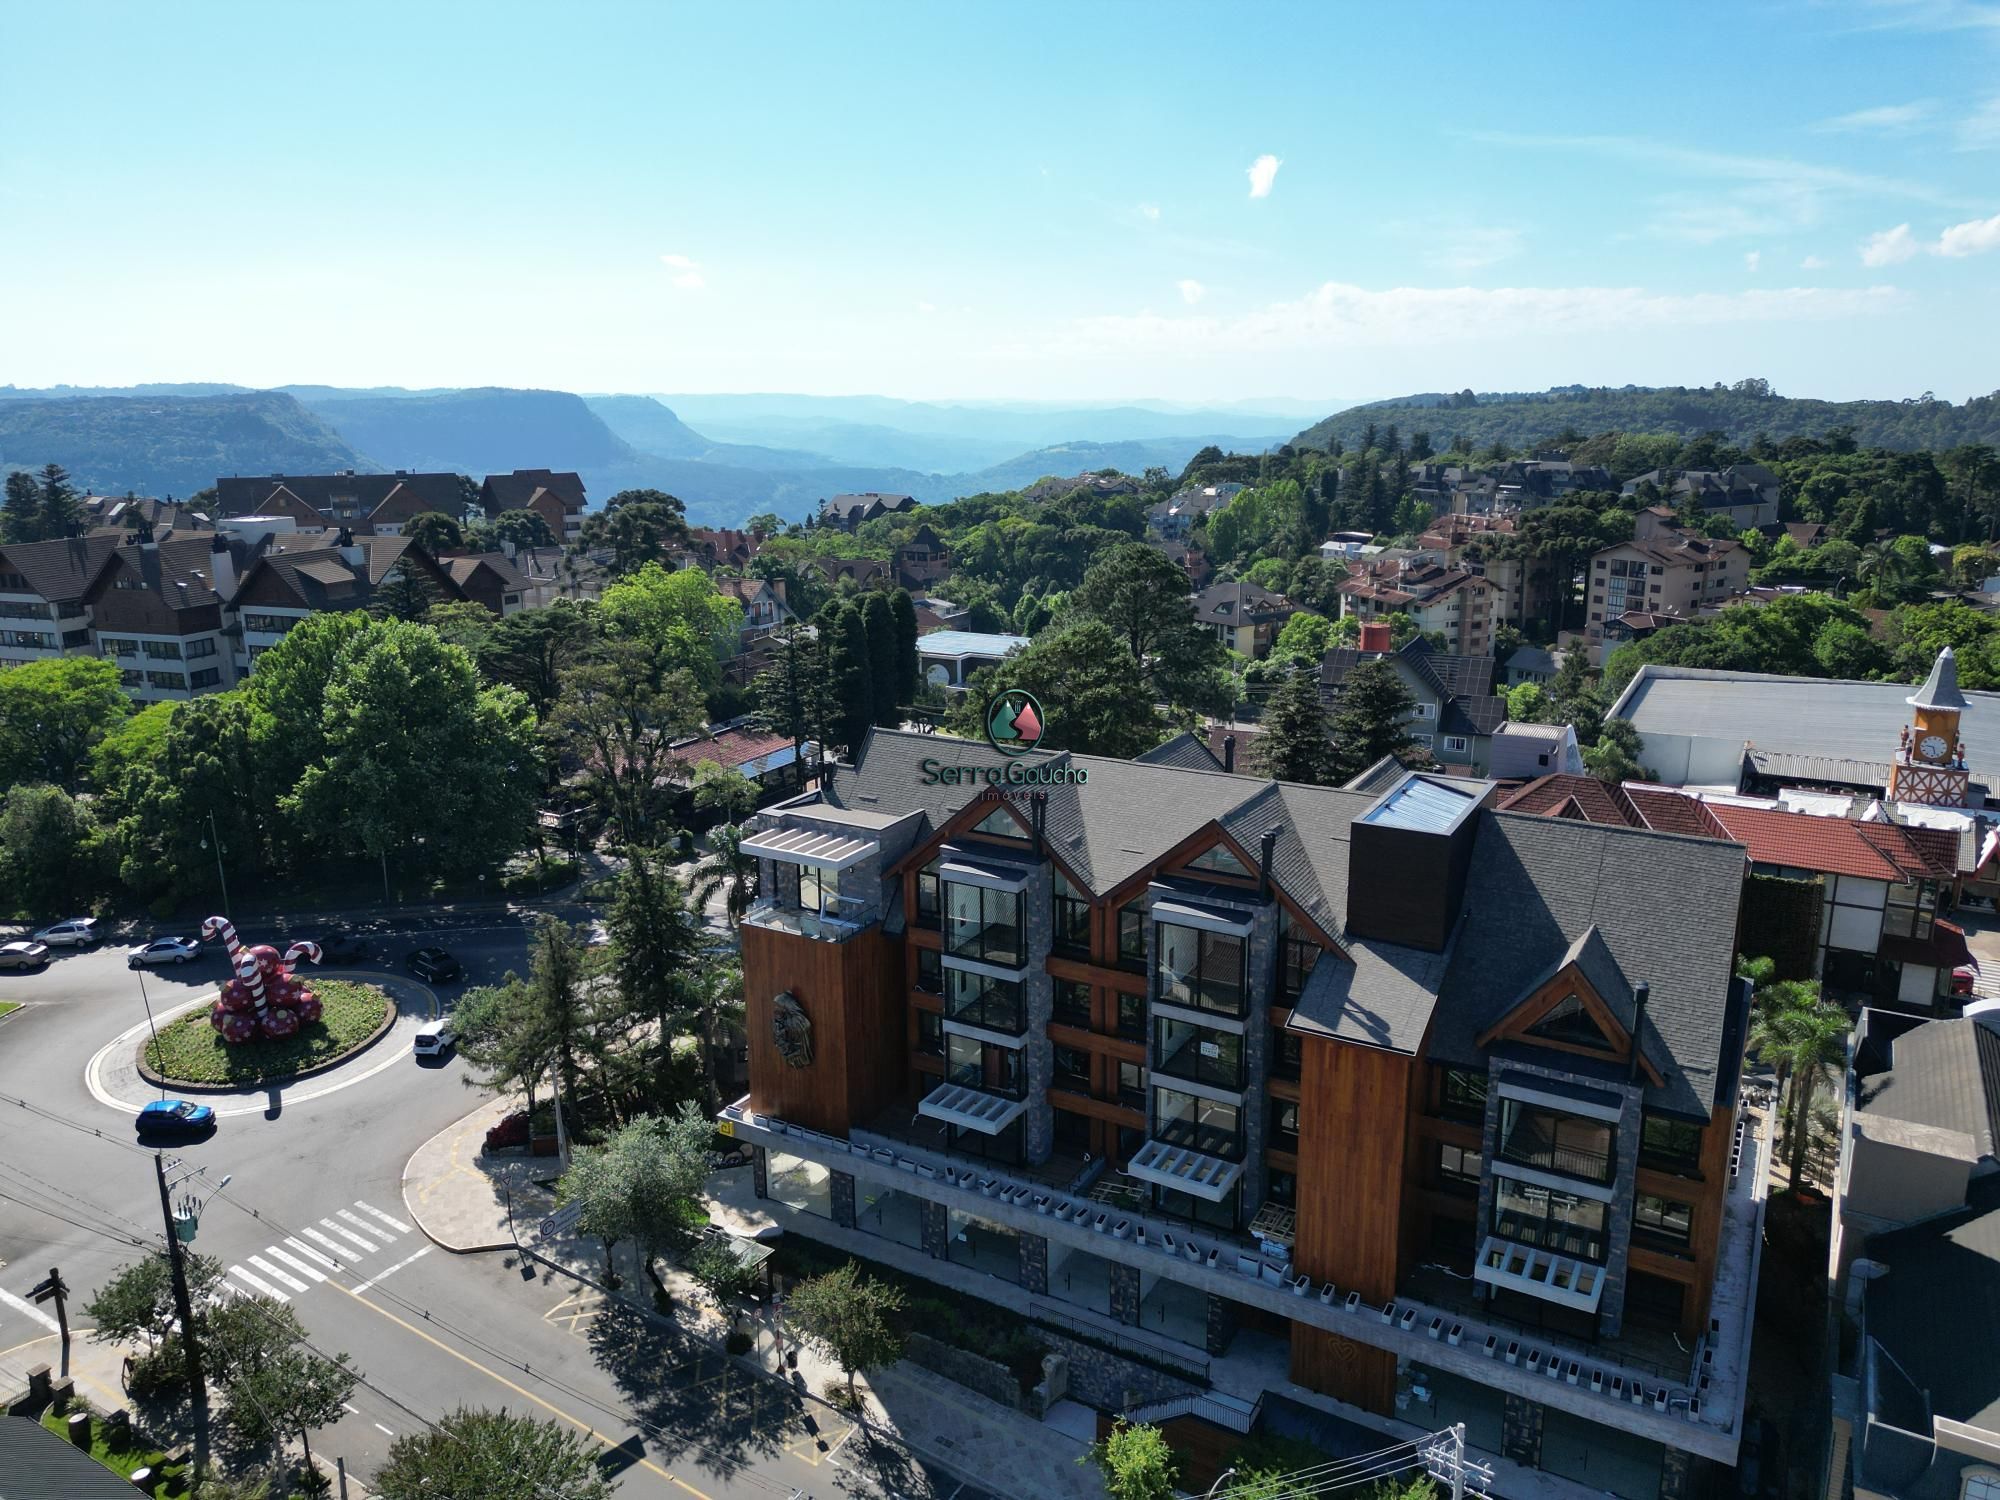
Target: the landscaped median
(190, 1053)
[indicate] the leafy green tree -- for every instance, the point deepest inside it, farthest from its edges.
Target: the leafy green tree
(728, 868)
(489, 1455)
(48, 850)
(1529, 703)
(719, 1273)
(130, 745)
(644, 1185)
(856, 1319)
(1141, 595)
(21, 516)
(1137, 1461)
(794, 694)
(655, 947)
(199, 786)
(638, 527)
(885, 671)
(531, 649)
(1615, 756)
(435, 532)
(904, 686)
(1371, 719)
(1297, 742)
(1305, 635)
(679, 617)
(420, 763)
(52, 714)
(1803, 1035)
(138, 1301)
(1092, 696)
(523, 528)
(462, 623)
(724, 790)
(618, 720)
(406, 594)
(287, 695)
(277, 1385)
(504, 1033)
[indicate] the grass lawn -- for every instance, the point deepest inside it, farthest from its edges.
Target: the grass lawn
(8, 1006)
(192, 1051)
(123, 1461)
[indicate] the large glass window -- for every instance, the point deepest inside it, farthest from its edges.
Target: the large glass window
(930, 1033)
(983, 924)
(1205, 1125)
(980, 1000)
(1132, 1085)
(1180, 1205)
(930, 971)
(929, 897)
(1559, 1222)
(984, 1066)
(1573, 1145)
(1200, 969)
(1132, 936)
(1132, 1016)
(1287, 1053)
(1669, 1145)
(1662, 1223)
(819, 890)
(1072, 918)
(1072, 1003)
(1296, 956)
(1910, 910)
(1072, 1069)
(1284, 1134)
(1198, 1053)
(1462, 1095)
(1458, 1168)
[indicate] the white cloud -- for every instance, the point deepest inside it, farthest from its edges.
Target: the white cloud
(1752, 259)
(687, 272)
(1883, 119)
(1889, 247)
(1192, 291)
(1980, 130)
(1263, 172)
(1812, 263)
(1974, 237)
(926, 307)
(1150, 212)
(1336, 316)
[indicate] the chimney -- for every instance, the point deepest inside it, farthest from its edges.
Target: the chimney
(1641, 993)
(222, 562)
(1267, 847)
(350, 550)
(1377, 636)
(1229, 752)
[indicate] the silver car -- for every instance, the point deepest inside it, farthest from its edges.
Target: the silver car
(77, 932)
(166, 950)
(23, 955)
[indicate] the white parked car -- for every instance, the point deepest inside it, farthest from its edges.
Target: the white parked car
(77, 932)
(166, 950)
(434, 1040)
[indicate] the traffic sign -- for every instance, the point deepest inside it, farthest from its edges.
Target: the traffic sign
(47, 1289)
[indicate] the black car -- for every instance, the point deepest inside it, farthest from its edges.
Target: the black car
(342, 948)
(435, 966)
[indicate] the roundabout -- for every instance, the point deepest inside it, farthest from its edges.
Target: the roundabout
(190, 1053)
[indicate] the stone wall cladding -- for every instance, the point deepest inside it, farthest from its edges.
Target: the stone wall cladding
(1109, 1382)
(1221, 1324)
(1680, 1474)
(1125, 1293)
(1038, 922)
(760, 1172)
(840, 1188)
(936, 1229)
(1034, 1263)
(975, 1372)
(1521, 1431)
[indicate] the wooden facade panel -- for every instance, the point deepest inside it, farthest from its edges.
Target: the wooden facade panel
(1354, 1109)
(1358, 1374)
(853, 995)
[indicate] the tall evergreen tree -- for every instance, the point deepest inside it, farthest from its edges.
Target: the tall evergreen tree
(61, 514)
(848, 675)
(21, 518)
(1372, 719)
(1297, 742)
(878, 618)
(906, 647)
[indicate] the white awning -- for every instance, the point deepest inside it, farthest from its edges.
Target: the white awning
(1207, 1177)
(993, 877)
(1539, 1273)
(808, 846)
(1208, 918)
(956, 1104)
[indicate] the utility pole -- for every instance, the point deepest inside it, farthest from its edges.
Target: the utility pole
(182, 1305)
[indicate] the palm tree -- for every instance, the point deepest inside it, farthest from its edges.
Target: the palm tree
(1802, 1035)
(1883, 568)
(727, 868)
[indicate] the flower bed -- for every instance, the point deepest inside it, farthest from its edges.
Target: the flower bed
(190, 1051)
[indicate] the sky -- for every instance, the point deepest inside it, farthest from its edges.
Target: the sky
(1076, 201)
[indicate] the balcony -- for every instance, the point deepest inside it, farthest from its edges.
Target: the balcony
(808, 924)
(1540, 1273)
(954, 1103)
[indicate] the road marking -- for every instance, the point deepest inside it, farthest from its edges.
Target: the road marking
(392, 1222)
(365, 1227)
(384, 1276)
(336, 1248)
(367, 1247)
(293, 1261)
(310, 1253)
(380, 1428)
(267, 1269)
(261, 1287)
(20, 1305)
(522, 1391)
(350, 1406)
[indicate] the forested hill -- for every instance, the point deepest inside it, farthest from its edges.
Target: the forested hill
(480, 431)
(1738, 412)
(171, 445)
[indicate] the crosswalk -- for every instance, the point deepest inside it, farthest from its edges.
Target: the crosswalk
(348, 1239)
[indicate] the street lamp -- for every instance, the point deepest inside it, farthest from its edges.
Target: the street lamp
(220, 879)
(1216, 1488)
(147, 1000)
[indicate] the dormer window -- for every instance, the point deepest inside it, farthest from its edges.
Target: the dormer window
(1219, 860)
(1568, 1021)
(999, 824)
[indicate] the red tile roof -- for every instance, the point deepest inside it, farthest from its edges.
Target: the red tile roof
(1581, 798)
(1838, 846)
(731, 747)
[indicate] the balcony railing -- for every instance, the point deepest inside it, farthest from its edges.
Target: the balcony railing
(1526, 1146)
(810, 924)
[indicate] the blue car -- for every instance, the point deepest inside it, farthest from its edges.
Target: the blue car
(175, 1117)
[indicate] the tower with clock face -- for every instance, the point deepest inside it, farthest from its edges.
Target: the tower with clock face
(1930, 765)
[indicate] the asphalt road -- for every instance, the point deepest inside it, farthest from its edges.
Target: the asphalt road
(313, 1212)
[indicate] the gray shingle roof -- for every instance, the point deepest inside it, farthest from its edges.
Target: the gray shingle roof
(1185, 750)
(36, 1464)
(1935, 1309)
(60, 570)
(244, 495)
(1944, 1074)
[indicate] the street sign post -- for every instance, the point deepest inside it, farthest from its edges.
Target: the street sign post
(52, 1288)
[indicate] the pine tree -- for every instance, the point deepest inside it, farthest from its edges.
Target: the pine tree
(848, 676)
(21, 518)
(1297, 744)
(878, 619)
(906, 647)
(61, 514)
(1372, 719)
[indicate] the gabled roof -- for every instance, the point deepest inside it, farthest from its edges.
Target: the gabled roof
(401, 504)
(1186, 750)
(1944, 1074)
(857, 506)
(250, 494)
(516, 491)
(1840, 846)
(60, 570)
(36, 1464)
(1234, 603)
(498, 564)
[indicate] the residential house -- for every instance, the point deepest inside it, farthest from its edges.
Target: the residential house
(42, 589)
(488, 578)
(709, 548)
(1347, 546)
(1454, 711)
(1518, 752)
(557, 497)
(1533, 664)
(1243, 616)
(1915, 1263)
(1477, 543)
(161, 611)
(1056, 487)
(125, 512)
(1456, 602)
(922, 561)
(1399, 1089)
(1194, 562)
(770, 760)
(554, 573)
(282, 586)
(845, 512)
(397, 509)
(1747, 493)
(1670, 573)
(1174, 517)
(862, 572)
(340, 499)
(763, 601)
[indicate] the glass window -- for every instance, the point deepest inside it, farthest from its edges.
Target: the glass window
(1282, 1188)
(1670, 1145)
(1287, 1053)
(1663, 1221)
(1205, 1125)
(929, 898)
(1132, 1085)
(1132, 1016)
(983, 924)
(1559, 1222)
(930, 971)
(1910, 910)
(1462, 1095)
(1177, 1204)
(1568, 1021)
(197, 649)
(1201, 969)
(1001, 824)
(1296, 957)
(1200, 1054)
(206, 677)
(1071, 932)
(819, 890)
(930, 1033)
(1072, 1067)
(1458, 1168)
(1072, 1003)
(1284, 1125)
(1132, 935)
(165, 680)
(1219, 860)
(985, 1066)
(979, 1000)
(1573, 1145)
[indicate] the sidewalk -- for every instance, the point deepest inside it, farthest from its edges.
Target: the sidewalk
(94, 1367)
(458, 1197)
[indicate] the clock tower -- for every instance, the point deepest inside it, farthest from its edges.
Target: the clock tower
(1930, 765)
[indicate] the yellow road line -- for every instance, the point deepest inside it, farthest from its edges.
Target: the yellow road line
(521, 1391)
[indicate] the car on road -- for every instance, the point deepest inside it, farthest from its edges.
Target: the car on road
(76, 932)
(175, 1117)
(164, 950)
(435, 966)
(1962, 980)
(434, 1040)
(342, 947)
(22, 954)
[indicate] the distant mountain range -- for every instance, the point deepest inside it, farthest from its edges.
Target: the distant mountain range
(1523, 421)
(178, 439)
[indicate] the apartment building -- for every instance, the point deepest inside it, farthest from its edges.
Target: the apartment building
(42, 585)
(1746, 493)
(1668, 572)
(1424, 1101)
(1477, 543)
(344, 498)
(1454, 601)
(557, 497)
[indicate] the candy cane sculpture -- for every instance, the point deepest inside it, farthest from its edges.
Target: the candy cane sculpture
(264, 999)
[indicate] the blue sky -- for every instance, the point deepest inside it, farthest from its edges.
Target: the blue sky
(1046, 201)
